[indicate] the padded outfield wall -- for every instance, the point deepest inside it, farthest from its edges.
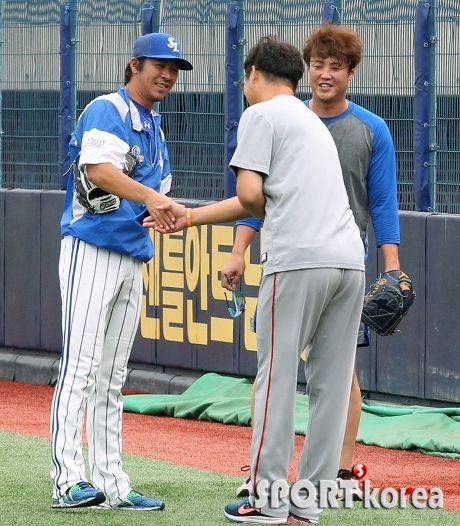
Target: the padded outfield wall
(185, 324)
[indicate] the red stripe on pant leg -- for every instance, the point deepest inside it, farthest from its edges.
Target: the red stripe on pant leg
(269, 385)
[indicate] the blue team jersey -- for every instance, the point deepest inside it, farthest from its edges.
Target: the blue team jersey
(109, 127)
(368, 161)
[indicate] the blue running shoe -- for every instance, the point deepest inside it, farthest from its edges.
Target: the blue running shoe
(135, 501)
(80, 495)
(243, 511)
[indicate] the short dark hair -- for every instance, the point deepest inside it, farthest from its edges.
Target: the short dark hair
(276, 60)
(128, 71)
(334, 41)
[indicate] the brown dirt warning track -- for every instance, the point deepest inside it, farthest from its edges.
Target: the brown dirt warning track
(25, 408)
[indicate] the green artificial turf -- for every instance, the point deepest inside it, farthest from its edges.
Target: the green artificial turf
(193, 497)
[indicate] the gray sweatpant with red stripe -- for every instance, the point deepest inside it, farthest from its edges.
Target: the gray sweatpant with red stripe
(319, 310)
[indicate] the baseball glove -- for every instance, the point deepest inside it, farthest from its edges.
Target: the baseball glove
(386, 304)
(93, 198)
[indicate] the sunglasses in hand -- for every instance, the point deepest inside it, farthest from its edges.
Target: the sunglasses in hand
(237, 303)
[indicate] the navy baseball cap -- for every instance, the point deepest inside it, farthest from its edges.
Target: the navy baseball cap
(160, 45)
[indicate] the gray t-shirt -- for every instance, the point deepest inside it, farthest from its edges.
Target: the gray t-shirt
(308, 222)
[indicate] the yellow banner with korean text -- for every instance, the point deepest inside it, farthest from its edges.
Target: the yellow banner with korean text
(183, 299)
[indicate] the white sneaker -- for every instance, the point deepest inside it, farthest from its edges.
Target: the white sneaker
(243, 490)
(346, 474)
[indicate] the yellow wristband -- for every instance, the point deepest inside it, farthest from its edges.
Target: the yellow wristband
(189, 217)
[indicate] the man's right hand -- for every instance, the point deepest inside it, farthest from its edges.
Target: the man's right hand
(236, 265)
(232, 271)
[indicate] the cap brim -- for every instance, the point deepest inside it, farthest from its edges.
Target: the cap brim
(184, 64)
(181, 62)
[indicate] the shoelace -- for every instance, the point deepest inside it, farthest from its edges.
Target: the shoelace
(82, 485)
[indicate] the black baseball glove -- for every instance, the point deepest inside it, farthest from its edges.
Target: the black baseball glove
(386, 304)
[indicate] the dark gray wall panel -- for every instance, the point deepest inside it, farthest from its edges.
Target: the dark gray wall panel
(52, 203)
(366, 356)
(179, 352)
(401, 357)
(248, 363)
(176, 354)
(2, 266)
(217, 356)
(143, 350)
(22, 268)
(443, 308)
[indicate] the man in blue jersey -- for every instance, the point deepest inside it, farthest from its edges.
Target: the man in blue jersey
(367, 157)
(120, 174)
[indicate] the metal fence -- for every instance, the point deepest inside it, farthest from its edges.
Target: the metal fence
(30, 94)
(194, 112)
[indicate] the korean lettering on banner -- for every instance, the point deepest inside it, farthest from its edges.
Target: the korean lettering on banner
(182, 285)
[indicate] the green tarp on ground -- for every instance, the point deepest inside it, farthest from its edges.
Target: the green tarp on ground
(217, 398)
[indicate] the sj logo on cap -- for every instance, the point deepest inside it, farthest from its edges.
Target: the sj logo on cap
(173, 44)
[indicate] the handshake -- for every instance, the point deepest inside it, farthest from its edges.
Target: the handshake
(165, 215)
